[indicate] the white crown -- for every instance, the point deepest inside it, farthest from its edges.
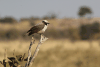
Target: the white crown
(45, 20)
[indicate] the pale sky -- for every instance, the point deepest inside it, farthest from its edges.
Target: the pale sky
(40, 8)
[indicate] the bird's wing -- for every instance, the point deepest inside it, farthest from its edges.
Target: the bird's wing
(36, 28)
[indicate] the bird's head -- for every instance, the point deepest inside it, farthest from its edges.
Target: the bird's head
(45, 22)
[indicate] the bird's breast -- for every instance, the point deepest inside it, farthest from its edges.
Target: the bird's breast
(45, 27)
(43, 30)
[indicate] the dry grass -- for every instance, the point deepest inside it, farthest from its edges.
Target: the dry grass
(21, 45)
(58, 28)
(57, 53)
(18, 26)
(59, 57)
(54, 23)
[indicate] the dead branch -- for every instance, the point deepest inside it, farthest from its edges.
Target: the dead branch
(1, 62)
(31, 60)
(23, 57)
(5, 55)
(14, 61)
(29, 52)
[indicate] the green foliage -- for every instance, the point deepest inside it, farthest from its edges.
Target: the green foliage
(84, 10)
(50, 16)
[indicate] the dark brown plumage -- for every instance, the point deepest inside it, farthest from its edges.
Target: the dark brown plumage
(35, 29)
(39, 28)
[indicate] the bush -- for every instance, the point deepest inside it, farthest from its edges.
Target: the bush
(88, 30)
(50, 16)
(10, 34)
(73, 34)
(30, 19)
(8, 20)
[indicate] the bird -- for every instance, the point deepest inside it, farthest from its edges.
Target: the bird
(38, 28)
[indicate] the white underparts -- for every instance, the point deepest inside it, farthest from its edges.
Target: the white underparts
(43, 30)
(45, 27)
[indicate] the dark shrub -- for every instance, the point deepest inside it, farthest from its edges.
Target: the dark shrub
(88, 30)
(73, 34)
(8, 20)
(13, 34)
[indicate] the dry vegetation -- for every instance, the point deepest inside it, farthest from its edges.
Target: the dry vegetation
(57, 56)
(58, 28)
(58, 51)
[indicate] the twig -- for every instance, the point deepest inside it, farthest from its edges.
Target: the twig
(5, 55)
(31, 58)
(23, 57)
(1, 62)
(43, 38)
(13, 52)
(29, 52)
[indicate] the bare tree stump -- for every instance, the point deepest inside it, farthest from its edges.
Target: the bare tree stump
(31, 58)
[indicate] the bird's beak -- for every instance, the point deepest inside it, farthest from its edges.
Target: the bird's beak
(48, 23)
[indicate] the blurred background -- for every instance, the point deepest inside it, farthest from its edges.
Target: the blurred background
(74, 31)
